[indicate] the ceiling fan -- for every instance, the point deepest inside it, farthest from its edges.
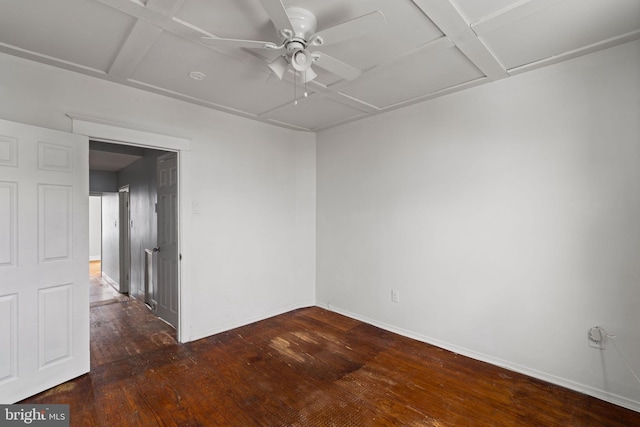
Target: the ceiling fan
(296, 28)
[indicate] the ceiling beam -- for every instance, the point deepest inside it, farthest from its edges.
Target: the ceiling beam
(142, 36)
(165, 7)
(176, 26)
(445, 16)
(511, 14)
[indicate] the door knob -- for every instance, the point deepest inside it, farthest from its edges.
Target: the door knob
(156, 249)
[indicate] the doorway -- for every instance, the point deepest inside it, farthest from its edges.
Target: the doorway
(131, 135)
(100, 291)
(129, 181)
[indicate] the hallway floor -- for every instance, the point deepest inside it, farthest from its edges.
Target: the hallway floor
(100, 292)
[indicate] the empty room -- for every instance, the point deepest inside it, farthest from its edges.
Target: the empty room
(345, 212)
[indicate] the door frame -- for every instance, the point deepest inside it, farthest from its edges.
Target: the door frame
(128, 134)
(124, 245)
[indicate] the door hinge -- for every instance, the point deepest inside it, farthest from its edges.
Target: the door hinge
(180, 257)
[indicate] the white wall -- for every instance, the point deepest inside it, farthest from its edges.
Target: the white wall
(252, 244)
(111, 237)
(95, 228)
(507, 216)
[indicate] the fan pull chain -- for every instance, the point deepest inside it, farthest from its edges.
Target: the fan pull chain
(305, 84)
(295, 97)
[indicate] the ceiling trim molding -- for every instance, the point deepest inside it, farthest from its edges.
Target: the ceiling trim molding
(515, 12)
(614, 41)
(165, 7)
(198, 101)
(342, 121)
(436, 94)
(288, 125)
(416, 100)
(49, 60)
(445, 16)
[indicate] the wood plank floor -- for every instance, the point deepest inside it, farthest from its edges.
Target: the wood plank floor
(309, 367)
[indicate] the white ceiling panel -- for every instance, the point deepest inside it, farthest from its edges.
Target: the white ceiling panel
(406, 29)
(426, 48)
(314, 112)
(413, 76)
(233, 19)
(474, 10)
(566, 26)
(86, 33)
(229, 82)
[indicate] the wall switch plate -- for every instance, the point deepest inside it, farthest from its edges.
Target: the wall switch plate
(395, 295)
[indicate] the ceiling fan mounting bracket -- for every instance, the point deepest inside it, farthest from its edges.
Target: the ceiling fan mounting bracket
(295, 44)
(303, 22)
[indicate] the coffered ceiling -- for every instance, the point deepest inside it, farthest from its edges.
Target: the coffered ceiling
(427, 48)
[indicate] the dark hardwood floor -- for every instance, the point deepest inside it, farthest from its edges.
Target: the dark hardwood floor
(309, 367)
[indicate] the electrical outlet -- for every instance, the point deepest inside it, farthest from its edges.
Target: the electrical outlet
(395, 295)
(597, 337)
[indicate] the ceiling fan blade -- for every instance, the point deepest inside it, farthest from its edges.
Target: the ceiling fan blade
(308, 75)
(356, 27)
(335, 66)
(253, 44)
(278, 14)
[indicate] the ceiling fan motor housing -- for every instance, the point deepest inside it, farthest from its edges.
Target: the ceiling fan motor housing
(304, 24)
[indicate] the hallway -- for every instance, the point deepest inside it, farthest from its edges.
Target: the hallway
(100, 292)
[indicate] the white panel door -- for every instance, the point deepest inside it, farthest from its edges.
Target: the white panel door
(44, 252)
(167, 283)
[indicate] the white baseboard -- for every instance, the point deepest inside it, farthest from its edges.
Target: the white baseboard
(110, 281)
(94, 258)
(232, 325)
(563, 382)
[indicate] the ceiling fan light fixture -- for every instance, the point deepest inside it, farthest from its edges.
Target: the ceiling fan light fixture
(301, 59)
(279, 66)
